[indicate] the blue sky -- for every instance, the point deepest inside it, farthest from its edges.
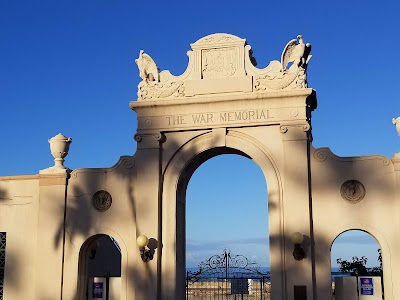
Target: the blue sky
(68, 66)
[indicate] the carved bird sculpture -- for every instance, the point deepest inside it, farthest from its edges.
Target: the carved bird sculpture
(397, 123)
(296, 52)
(148, 70)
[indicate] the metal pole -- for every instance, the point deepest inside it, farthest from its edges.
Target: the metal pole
(261, 287)
(187, 286)
(226, 265)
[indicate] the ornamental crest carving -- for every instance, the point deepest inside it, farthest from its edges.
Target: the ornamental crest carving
(218, 63)
(229, 61)
(352, 191)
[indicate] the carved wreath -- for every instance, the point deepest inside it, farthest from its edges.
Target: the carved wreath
(352, 191)
(101, 200)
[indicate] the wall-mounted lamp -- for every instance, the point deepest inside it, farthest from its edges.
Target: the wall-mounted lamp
(145, 254)
(298, 252)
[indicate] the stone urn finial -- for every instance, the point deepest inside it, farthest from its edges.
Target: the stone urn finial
(59, 146)
(397, 123)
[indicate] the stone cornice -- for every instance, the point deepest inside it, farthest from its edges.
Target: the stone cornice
(322, 154)
(134, 105)
(19, 177)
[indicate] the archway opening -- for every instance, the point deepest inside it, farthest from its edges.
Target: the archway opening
(100, 268)
(227, 221)
(357, 253)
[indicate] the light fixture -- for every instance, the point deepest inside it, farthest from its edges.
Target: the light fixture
(145, 254)
(298, 252)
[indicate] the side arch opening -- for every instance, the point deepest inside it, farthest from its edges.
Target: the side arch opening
(356, 253)
(99, 269)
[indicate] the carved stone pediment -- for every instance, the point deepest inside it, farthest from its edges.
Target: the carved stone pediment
(223, 63)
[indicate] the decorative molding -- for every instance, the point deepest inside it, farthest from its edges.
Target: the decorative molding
(218, 38)
(277, 81)
(55, 171)
(159, 136)
(225, 56)
(352, 191)
(305, 127)
(152, 89)
(323, 154)
(101, 200)
(126, 162)
(19, 177)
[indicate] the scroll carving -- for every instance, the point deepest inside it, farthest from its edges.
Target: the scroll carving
(322, 154)
(150, 90)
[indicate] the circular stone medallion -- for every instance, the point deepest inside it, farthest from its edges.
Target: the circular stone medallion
(101, 200)
(352, 191)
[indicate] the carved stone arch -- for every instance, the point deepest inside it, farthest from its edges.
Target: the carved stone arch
(386, 254)
(177, 175)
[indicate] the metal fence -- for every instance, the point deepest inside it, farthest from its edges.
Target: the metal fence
(227, 277)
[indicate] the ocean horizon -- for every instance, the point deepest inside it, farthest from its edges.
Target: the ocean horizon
(262, 269)
(266, 270)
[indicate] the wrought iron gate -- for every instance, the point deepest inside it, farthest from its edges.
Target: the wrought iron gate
(228, 277)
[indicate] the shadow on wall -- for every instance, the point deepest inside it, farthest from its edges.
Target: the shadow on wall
(197, 160)
(81, 218)
(79, 206)
(13, 266)
(331, 172)
(4, 196)
(83, 221)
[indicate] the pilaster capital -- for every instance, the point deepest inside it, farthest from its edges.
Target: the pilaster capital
(149, 140)
(295, 131)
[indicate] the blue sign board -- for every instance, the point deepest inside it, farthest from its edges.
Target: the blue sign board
(97, 290)
(366, 286)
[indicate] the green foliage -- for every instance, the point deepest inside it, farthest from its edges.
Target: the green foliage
(357, 267)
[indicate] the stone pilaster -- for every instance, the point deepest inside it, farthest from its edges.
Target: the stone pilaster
(148, 157)
(296, 207)
(50, 238)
